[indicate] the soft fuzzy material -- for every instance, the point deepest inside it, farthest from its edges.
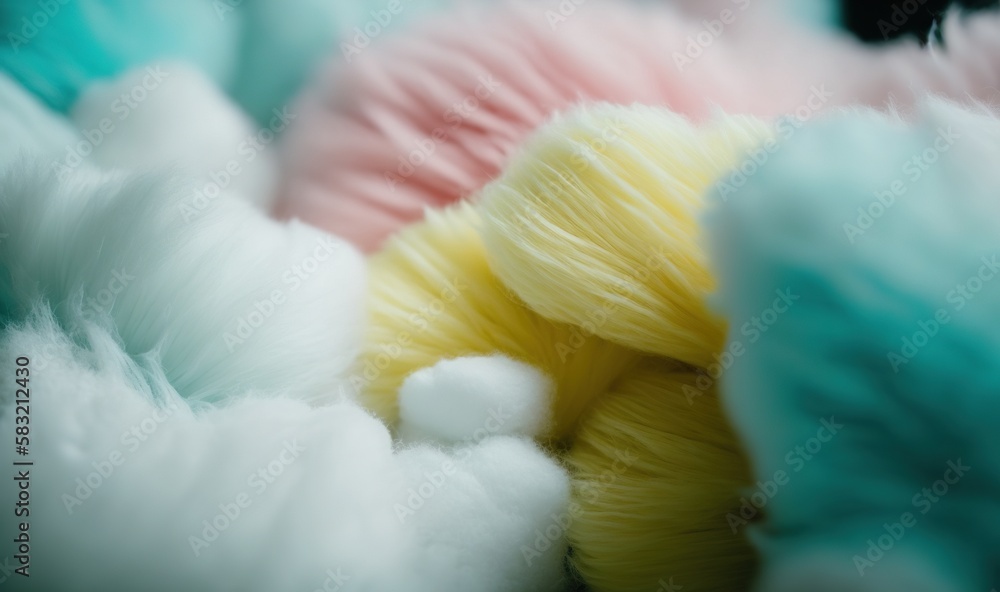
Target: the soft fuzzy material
(260, 51)
(593, 229)
(595, 223)
(433, 296)
(27, 126)
(133, 489)
(495, 393)
(57, 48)
(228, 299)
(168, 115)
(654, 474)
(430, 117)
(874, 396)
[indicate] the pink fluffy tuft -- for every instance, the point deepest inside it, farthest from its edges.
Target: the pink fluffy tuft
(346, 156)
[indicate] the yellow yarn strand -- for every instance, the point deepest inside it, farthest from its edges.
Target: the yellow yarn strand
(597, 219)
(601, 210)
(654, 477)
(433, 296)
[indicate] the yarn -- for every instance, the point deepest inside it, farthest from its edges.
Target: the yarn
(582, 208)
(386, 135)
(653, 477)
(599, 214)
(429, 117)
(432, 296)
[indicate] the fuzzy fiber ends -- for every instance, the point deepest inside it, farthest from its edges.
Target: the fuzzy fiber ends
(432, 116)
(883, 370)
(228, 299)
(134, 489)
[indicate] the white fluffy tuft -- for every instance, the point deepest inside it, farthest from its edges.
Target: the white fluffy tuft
(471, 397)
(335, 504)
(228, 299)
(171, 115)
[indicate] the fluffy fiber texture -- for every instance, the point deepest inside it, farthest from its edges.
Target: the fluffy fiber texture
(599, 214)
(227, 298)
(27, 126)
(654, 474)
(133, 489)
(56, 49)
(884, 369)
(495, 394)
(596, 222)
(595, 225)
(433, 296)
(171, 115)
(430, 117)
(260, 51)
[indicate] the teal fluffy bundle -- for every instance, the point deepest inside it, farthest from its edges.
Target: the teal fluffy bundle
(260, 51)
(870, 407)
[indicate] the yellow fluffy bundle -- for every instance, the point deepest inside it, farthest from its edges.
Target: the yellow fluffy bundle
(596, 224)
(654, 478)
(601, 210)
(433, 297)
(583, 259)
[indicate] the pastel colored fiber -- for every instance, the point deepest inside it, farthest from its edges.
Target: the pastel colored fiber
(386, 135)
(583, 261)
(185, 403)
(595, 224)
(58, 49)
(27, 126)
(584, 228)
(886, 365)
(433, 296)
(259, 51)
